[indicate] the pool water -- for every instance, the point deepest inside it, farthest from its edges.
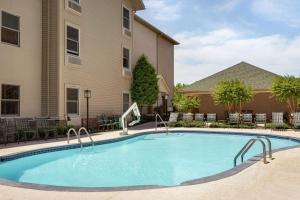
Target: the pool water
(153, 159)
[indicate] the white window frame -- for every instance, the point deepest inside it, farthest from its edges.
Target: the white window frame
(126, 92)
(66, 39)
(130, 19)
(18, 31)
(71, 86)
(79, 2)
(129, 62)
(4, 115)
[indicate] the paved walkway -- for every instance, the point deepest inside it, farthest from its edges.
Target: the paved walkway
(278, 180)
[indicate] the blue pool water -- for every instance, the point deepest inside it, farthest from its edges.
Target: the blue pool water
(155, 159)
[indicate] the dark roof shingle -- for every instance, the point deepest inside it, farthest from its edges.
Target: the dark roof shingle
(257, 78)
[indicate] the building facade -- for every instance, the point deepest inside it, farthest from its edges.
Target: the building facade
(53, 50)
(259, 79)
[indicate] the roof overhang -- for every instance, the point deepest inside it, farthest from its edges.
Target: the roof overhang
(138, 5)
(162, 85)
(156, 30)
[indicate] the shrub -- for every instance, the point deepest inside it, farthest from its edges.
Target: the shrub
(182, 102)
(188, 124)
(232, 93)
(279, 127)
(287, 89)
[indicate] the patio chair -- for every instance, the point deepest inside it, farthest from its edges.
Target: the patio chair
(247, 118)
(187, 117)
(296, 119)
(234, 118)
(172, 119)
(199, 117)
(277, 119)
(43, 126)
(261, 118)
(211, 117)
(104, 122)
(25, 130)
(2, 131)
(116, 121)
(11, 132)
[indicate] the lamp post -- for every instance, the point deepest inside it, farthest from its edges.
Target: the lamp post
(87, 95)
(166, 98)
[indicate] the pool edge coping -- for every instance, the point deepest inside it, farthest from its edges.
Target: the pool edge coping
(222, 175)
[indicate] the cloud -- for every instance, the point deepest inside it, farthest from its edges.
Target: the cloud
(286, 11)
(227, 5)
(201, 55)
(164, 10)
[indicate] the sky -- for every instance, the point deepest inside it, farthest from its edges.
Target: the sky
(216, 34)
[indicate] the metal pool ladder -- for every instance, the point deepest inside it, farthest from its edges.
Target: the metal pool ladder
(78, 135)
(250, 143)
(157, 116)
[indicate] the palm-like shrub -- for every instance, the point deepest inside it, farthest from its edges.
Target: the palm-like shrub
(182, 102)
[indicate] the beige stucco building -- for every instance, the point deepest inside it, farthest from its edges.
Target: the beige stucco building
(53, 50)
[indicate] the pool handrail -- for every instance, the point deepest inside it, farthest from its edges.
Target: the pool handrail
(87, 133)
(163, 122)
(247, 147)
(73, 130)
(270, 151)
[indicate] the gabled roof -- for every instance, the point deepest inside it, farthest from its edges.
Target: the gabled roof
(156, 30)
(138, 4)
(257, 78)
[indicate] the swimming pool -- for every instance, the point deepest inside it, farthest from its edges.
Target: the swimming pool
(147, 159)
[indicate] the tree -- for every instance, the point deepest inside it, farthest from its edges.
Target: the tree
(287, 89)
(232, 93)
(144, 88)
(182, 102)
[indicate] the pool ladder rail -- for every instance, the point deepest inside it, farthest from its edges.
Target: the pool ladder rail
(250, 143)
(78, 135)
(157, 116)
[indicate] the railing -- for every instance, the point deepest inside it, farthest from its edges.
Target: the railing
(248, 146)
(78, 135)
(163, 122)
(87, 133)
(73, 130)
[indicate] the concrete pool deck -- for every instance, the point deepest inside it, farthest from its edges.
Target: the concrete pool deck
(279, 179)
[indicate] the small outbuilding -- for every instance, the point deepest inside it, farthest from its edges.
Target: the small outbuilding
(259, 79)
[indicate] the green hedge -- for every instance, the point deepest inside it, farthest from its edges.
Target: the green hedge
(224, 125)
(280, 127)
(188, 124)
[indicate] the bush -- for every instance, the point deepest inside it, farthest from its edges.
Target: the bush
(279, 127)
(224, 125)
(188, 124)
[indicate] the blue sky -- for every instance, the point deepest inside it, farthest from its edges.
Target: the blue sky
(216, 34)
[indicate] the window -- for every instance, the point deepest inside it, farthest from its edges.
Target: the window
(126, 18)
(72, 40)
(10, 100)
(76, 1)
(126, 102)
(10, 29)
(73, 101)
(126, 58)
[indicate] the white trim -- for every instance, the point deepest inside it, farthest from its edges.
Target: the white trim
(130, 20)
(19, 31)
(72, 86)
(130, 55)
(125, 92)
(66, 37)
(72, 10)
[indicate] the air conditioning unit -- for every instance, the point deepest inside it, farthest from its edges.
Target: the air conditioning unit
(127, 73)
(73, 60)
(73, 6)
(127, 32)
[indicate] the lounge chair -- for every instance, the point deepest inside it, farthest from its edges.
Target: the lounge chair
(43, 125)
(247, 118)
(211, 117)
(261, 118)
(277, 119)
(199, 117)
(234, 118)
(172, 119)
(187, 117)
(296, 119)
